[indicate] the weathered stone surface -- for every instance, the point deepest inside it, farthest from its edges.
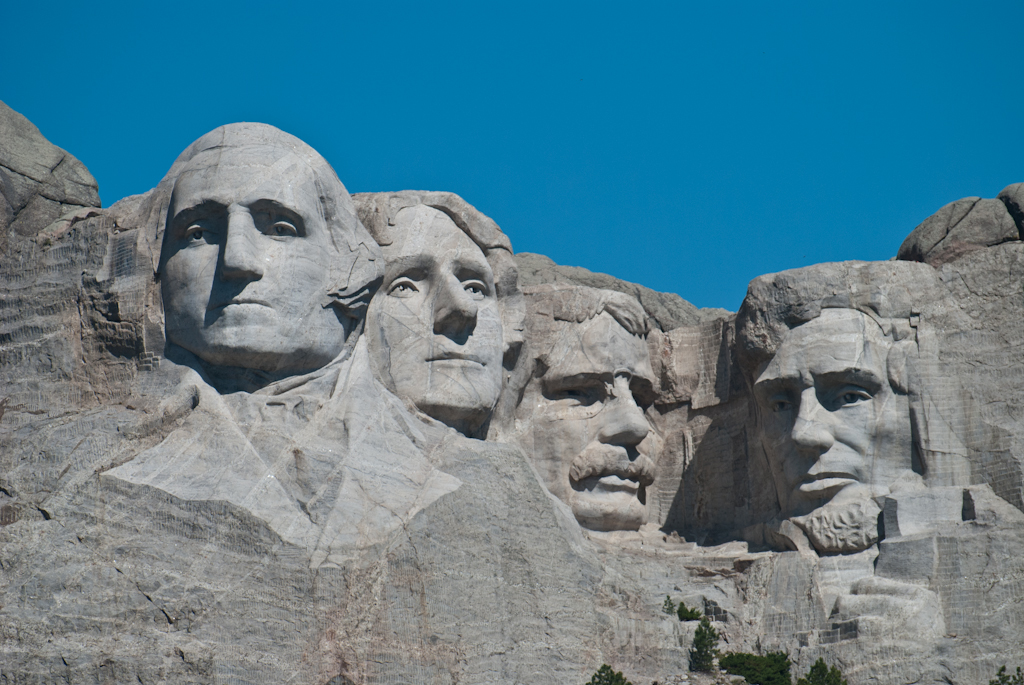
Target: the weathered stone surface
(39, 182)
(964, 226)
(580, 391)
(449, 311)
(667, 310)
(194, 491)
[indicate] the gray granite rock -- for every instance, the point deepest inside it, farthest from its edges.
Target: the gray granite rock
(666, 310)
(192, 513)
(39, 182)
(964, 226)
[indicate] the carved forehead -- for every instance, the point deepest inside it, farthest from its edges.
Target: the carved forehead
(245, 174)
(597, 346)
(425, 231)
(838, 340)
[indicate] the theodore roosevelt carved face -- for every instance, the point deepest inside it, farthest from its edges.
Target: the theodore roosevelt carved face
(435, 326)
(581, 417)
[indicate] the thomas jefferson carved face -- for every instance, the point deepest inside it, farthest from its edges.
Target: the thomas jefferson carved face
(435, 328)
(587, 433)
(832, 426)
(246, 263)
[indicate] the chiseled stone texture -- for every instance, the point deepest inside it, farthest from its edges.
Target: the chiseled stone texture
(39, 182)
(964, 226)
(157, 525)
(666, 310)
(449, 313)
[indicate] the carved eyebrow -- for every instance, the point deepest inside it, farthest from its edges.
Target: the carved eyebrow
(202, 210)
(413, 261)
(772, 386)
(283, 211)
(850, 376)
(575, 379)
(474, 266)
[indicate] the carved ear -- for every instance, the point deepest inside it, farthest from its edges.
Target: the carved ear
(896, 365)
(353, 303)
(357, 282)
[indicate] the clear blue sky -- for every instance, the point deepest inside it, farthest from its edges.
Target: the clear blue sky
(685, 146)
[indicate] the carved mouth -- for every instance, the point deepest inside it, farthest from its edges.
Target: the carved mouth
(824, 482)
(457, 356)
(241, 300)
(612, 483)
(612, 464)
(618, 488)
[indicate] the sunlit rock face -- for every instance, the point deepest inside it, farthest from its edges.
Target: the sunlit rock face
(580, 416)
(449, 311)
(833, 427)
(843, 384)
(255, 430)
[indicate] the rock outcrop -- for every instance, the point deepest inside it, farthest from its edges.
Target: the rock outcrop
(39, 182)
(667, 310)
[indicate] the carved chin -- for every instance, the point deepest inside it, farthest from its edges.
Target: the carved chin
(841, 528)
(608, 511)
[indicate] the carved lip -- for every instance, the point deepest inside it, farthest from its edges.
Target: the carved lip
(633, 472)
(617, 483)
(829, 480)
(241, 300)
(456, 356)
(607, 485)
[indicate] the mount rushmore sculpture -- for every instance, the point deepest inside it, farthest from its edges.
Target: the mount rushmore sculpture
(254, 429)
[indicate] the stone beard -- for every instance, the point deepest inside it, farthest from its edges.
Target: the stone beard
(835, 430)
(247, 263)
(435, 326)
(581, 418)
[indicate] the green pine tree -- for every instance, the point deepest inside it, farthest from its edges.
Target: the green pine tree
(770, 669)
(1003, 679)
(685, 613)
(704, 648)
(669, 607)
(821, 674)
(606, 676)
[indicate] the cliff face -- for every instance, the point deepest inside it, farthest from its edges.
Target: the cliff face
(166, 519)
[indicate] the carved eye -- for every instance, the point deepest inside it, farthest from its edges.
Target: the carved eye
(854, 397)
(475, 289)
(284, 229)
(403, 288)
(578, 397)
(195, 234)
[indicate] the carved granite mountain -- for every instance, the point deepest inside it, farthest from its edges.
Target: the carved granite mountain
(835, 471)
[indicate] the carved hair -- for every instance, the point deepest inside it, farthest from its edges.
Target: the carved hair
(577, 303)
(358, 266)
(545, 305)
(898, 296)
(377, 211)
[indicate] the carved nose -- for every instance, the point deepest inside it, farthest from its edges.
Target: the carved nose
(811, 431)
(624, 422)
(454, 310)
(241, 255)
